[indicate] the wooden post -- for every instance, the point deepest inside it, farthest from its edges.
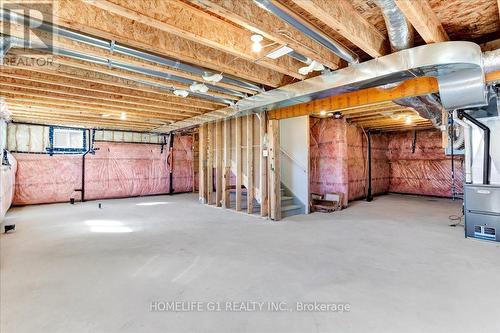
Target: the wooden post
(196, 159)
(210, 163)
(218, 164)
(250, 186)
(238, 164)
(274, 170)
(202, 181)
(263, 164)
(227, 164)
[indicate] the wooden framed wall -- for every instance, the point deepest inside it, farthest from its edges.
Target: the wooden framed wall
(234, 158)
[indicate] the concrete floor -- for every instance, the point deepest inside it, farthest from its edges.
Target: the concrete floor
(395, 261)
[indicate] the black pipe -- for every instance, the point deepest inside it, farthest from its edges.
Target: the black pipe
(369, 196)
(82, 189)
(451, 135)
(171, 157)
(486, 155)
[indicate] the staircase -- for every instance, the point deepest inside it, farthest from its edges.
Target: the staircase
(290, 205)
(232, 201)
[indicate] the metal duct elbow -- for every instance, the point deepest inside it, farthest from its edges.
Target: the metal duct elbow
(491, 61)
(398, 28)
(427, 106)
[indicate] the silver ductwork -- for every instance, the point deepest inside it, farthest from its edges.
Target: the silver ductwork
(399, 30)
(436, 60)
(491, 61)
(427, 106)
(401, 34)
(9, 16)
(334, 46)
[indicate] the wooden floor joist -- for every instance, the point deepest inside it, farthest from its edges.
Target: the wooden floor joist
(185, 21)
(94, 21)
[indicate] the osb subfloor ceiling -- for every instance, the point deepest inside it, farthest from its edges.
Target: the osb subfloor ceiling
(211, 35)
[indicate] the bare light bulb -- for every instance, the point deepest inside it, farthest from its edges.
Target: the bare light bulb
(256, 47)
(408, 120)
(256, 39)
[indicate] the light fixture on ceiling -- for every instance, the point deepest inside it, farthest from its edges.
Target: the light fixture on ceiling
(256, 39)
(279, 52)
(123, 116)
(198, 87)
(322, 113)
(212, 77)
(313, 66)
(181, 93)
(338, 115)
(408, 120)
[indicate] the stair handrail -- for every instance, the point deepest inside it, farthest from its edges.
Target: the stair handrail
(287, 154)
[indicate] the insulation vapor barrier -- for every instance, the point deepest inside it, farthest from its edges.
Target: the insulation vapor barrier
(328, 157)
(425, 171)
(116, 170)
(7, 185)
(357, 147)
(45, 179)
(125, 169)
(339, 162)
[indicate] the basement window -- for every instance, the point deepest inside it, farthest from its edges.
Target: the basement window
(67, 140)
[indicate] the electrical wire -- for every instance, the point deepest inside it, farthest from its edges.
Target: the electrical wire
(453, 218)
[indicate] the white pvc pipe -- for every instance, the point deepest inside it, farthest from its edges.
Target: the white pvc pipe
(467, 145)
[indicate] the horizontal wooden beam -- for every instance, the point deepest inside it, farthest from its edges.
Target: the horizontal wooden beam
(22, 94)
(185, 21)
(48, 120)
(53, 88)
(423, 18)
(119, 86)
(71, 107)
(341, 16)
(127, 75)
(94, 21)
(365, 97)
(35, 112)
(59, 42)
(413, 87)
(51, 80)
(258, 20)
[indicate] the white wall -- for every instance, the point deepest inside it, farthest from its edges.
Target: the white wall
(477, 151)
(294, 141)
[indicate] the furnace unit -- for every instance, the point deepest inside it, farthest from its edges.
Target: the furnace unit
(482, 211)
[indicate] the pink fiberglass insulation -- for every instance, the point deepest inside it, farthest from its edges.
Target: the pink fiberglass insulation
(357, 150)
(328, 156)
(126, 169)
(183, 164)
(116, 170)
(426, 171)
(7, 185)
(42, 178)
(338, 162)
